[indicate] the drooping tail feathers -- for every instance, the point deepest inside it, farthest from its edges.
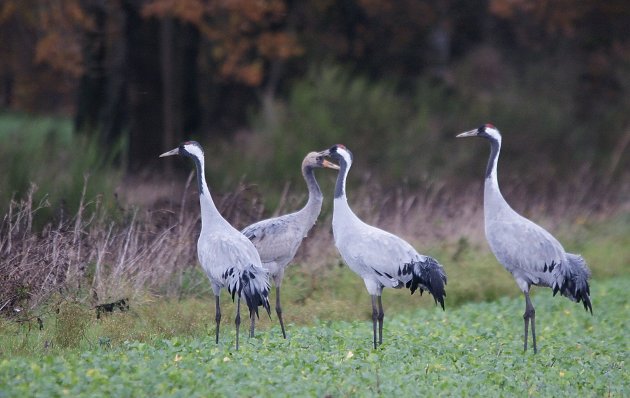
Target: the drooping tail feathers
(426, 275)
(252, 283)
(574, 281)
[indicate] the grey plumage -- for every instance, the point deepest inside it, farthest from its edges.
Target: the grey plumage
(380, 258)
(278, 239)
(228, 258)
(530, 253)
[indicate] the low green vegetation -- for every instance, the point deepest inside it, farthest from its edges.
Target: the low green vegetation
(473, 350)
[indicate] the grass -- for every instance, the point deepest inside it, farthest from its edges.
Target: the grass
(472, 350)
(311, 293)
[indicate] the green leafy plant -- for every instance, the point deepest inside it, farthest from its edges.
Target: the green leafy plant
(473, 350)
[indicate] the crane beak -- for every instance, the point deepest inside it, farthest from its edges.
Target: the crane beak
(170, 153)
(324, 153)
(330, 165)
(470, 133)
(326, 163)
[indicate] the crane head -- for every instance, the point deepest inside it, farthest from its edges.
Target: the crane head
(317, 159)
(187, 148)
(338, 152)
(486, 131)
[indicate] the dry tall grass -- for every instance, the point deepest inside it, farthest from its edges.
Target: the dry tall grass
(89, 256)
(94, 257)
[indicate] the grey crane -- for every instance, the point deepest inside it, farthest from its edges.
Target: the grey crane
(278, 239)
(531, 254)
(228, 258)
(379, 257)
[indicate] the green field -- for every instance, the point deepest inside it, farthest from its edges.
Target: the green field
(472, 350)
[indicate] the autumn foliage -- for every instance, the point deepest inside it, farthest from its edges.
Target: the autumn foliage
(202, 63)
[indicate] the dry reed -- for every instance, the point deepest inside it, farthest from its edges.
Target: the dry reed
(95, 260)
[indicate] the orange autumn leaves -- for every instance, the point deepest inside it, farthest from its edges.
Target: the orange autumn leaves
(245, 35)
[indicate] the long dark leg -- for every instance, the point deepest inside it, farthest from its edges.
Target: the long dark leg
(530, 313)
(252, 324)
(217, 317)
(237, 321)
(381, 315)
(374, 317)
(279, 311)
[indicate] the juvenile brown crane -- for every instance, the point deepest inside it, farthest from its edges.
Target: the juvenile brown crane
(278, 239)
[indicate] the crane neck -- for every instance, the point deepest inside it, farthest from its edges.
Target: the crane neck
(495, 205)
(201, 176)
(313, 206)
(491, 169)
(340, 185)
(314, 191)
(209, 211)
(343, 216)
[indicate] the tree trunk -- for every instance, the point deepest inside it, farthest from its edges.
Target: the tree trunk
(168, 84)
(188, 50)
(146, 127)
(93, 83)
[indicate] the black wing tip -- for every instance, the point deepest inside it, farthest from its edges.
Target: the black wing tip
(576, 292)
(441, 301)
(438, 295)
(429, 275)
(586, 301)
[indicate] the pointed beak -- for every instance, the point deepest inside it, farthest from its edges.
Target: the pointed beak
(330, 165)
(170, 153)
(470, 133)
(325, 152)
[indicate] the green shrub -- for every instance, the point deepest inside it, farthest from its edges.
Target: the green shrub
(43, 151)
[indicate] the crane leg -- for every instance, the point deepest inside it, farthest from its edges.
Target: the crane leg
(279, 311)
(381, 315)
(530, 313)
(217, 317)
(252, 325)
(374, 317)
(237, 321)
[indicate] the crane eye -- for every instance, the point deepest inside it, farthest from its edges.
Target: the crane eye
(320, 158)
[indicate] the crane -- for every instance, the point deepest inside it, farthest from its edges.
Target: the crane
(380, 258)
(228, 258)
(531, 254)
(278, 239)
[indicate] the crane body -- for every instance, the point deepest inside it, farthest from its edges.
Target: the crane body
(227, 257)
(530, 253)
(278, 239)
(380, 258)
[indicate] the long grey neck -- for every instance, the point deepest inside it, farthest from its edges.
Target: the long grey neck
(209, 212)
(315, 198)
(314, 192)
(495, 148)
(200, 175)
(344, 220)
(494, 204)
(340, 185)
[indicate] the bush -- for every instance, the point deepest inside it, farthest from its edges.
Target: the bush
(44, 151)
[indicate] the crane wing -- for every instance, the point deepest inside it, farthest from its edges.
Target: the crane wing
(276, 239)
(219, 252)
(523, 246)
(377, 253)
